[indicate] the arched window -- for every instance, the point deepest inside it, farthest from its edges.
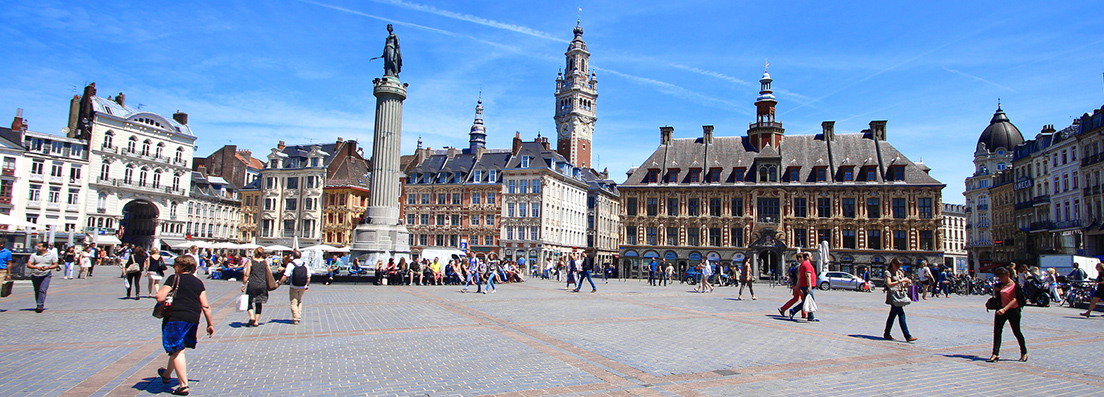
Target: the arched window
(156, 179)
(172, 208)
(160, 149)
(128, 175)
(146, 147)
(142, 174)
(176, 182)
(107, 139)
(105, 171)
(132, 144)
(179, 154)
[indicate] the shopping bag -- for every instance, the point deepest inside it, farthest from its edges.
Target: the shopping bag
(6, 289)
(243, 303)
(126, 283)
(912, 293)
(810, 305)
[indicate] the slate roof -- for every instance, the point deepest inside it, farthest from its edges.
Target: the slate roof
(806, 152)
(209, 187)
(350, 172)
(104, 105)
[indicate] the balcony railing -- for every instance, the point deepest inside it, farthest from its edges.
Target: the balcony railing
(1041, 200)
(1068, 224)
(1096, 158)
(1024, 205)
(132, 185)
(8, 171)
(768, 219)
(5, 199)
(982, 207)
(1042, 225)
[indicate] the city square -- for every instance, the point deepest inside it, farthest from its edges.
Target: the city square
(535, 338)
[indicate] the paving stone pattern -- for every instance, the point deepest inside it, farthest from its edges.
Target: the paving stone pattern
(536, 338)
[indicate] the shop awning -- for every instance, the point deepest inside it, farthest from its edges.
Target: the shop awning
(107, 239)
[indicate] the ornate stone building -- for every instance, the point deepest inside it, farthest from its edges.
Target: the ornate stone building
(238, 167)
(454, 195)
(144, 160)
(345, 195)
(993, 154)
(214, 211)
(603, 217)
(764, 195)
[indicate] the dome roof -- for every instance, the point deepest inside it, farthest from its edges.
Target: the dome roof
(1000, 133)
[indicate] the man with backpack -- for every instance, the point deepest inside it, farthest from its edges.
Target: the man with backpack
(300, 282)
(587, 267)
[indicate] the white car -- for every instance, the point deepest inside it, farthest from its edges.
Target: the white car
(840, 280)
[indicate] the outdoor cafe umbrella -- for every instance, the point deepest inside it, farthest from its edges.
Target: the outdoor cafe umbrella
(277, 247)
(822, 257)
(321, 247)
(13, 221)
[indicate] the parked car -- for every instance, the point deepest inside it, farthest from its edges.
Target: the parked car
(693, 274)
(840, 280)
(169, 257)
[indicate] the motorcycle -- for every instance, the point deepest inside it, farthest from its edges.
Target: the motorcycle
(1036, 292)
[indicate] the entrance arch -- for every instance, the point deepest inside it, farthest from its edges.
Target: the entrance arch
(139, 223)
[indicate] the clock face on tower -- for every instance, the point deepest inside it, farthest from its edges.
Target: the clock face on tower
(565, 130)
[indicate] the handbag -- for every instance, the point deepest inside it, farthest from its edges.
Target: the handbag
(272, 285)
(163, 309)
(132, 266)
(897, 298)
(912, 292)
(6, 289)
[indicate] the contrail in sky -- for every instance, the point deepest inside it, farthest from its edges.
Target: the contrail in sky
(674, 90)
(473, 19)
(978, 79)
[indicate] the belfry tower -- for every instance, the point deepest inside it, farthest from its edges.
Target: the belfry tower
(765, 130)
(576, 102)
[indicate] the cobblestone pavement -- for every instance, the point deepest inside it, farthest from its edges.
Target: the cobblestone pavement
(536, 338)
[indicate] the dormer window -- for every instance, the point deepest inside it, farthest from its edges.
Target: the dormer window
(314, 162)
(477, 176)
(714, 175)
(672, 175)
(525, 161)
(652, 176)
(847, 173)
(896, 173)
(869, 174)
(739, 172)
(768, 173)
(793, 174)
(821, 173)
(492, 176)
(695, 175)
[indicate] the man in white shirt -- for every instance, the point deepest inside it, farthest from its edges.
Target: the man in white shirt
(299, 275)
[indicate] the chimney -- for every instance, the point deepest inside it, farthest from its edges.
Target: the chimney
(18, 124)
(544, 142)
(120, 99)
(339, 140)
(605, 173)
(281, 146)
(828, 130)
(878, 128)
(74, 115)
(246, 153)
(181, 117)
(707, 134)
(517, 142)
(451, 152)
(202, 169)
(665, 135)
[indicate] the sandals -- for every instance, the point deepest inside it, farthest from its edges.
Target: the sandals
(161, 374)
(993, 359)
(180, 391)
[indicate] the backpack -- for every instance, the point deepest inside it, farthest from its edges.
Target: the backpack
(299, 276)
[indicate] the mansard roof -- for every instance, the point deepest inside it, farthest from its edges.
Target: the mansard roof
(805, 152)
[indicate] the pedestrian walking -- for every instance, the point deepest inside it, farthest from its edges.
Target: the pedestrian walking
(585, 269)
(1099, 290)
(41, 263)
(1011, 298)
(5, 260)
(706, 272)
(492, 274)
(802, 276)
(155, 270)
(69, 258)
(299, 276)
(85, 258)
(255, 284)
(746, 279)
(661, 273)
(896, 282)
(179, 327)
(572, 271)
(133, 268)
(926, 281)
(652, 273)
(473, 272)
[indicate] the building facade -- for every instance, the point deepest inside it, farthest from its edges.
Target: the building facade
(454, 195)
(765, 195)
(544, 205)
(291, 196)
(214, 211)
(142, 185)
(954, 237)
(345, 195)
(51, 173)
(604, 224)
(994, 152)
(1091, 142)
(238, 167)
(1065, 233)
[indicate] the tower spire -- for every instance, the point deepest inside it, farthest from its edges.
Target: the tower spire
(765, 130)
(478, 135)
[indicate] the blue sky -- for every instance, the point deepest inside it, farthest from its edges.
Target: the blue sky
(252, 73)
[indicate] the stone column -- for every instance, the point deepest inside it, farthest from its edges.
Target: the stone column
(383, 193)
